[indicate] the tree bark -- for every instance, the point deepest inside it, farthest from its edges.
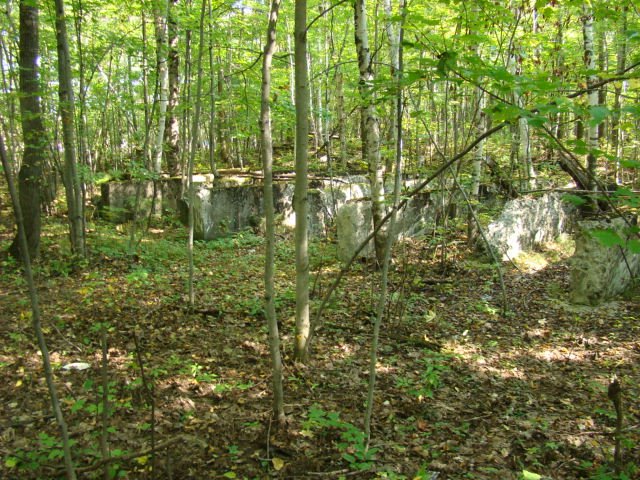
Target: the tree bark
(621, 61)
(36, 316)
(192, 152)
(393, 38)
(67, 113)
(172, 126)
(301, 201)
(592, 96)
(33, 157)
(371, 127)
(384, 274)
(212, 99)
(269, 264)
(162, 82)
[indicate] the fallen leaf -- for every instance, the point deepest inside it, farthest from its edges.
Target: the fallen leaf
(278, 463)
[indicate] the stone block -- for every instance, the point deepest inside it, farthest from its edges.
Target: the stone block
(599, 272)
(528, 222)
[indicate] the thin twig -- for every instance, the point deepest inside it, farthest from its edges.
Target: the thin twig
(149, 389)
(131, 456)
(400, 205)
(104, 436)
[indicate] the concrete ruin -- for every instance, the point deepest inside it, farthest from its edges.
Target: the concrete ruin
(600, 272)
(528, 222)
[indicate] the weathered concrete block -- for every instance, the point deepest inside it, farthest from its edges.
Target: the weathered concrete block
(528, 222)
(598, 272)
(354, 223)
(221, 211)
(118, 199)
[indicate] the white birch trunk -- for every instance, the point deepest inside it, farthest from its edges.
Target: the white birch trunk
(617, 139)
(371, 127)
(160, 18)
(301, 203)
(592, 96)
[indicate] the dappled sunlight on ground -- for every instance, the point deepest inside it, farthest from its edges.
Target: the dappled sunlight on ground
(460, 390)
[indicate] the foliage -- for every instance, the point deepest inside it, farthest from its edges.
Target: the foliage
(432, 366)
(352, 443)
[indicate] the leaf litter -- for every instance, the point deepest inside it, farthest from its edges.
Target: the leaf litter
(461, 392)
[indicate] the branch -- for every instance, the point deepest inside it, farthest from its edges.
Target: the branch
(604, 82)
(241, 71)
(131, 456)
(323, 13)
(397, 207)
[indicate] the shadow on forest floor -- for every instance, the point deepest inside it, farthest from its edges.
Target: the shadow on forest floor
(460, 390)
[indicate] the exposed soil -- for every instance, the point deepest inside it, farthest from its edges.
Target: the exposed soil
(461, 391)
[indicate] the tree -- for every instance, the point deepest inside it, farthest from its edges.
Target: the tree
(301, 201)
(67, 113)
(370, 122)
(592, 96)
(621, 59)
(34, 136)
(160, 9)
(172, 126)
(269, 262)
(192, 151)
(35, 312)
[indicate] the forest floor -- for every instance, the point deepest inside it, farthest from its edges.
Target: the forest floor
(461, 390)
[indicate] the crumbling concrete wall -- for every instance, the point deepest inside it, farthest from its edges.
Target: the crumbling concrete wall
(599, 272)
(528, 222)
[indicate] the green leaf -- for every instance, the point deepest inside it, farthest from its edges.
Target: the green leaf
(78, 404)
(11, 462)
(501, 74)
(598, 114)
(607, 237)
(632, 110)
(634, 245)
(574, 199)
(630, 163)
(537, 121)
(526, 475)
(348, 457)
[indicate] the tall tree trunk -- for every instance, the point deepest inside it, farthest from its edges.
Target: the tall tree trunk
(35, 308)
(559, 69)
(603, 66)
(621, 59)
(33, 156)
(193, 149)
(185, 138)
(84, 150)
(342, 118)
(172, 126)
(162, 81)
(10, 83)
(371, 127)
(593, 97)
(269, 262)
(301, 201)
(223, 141)
(212, 99)
(394, 46)
(145, 93)
(479, 124)
(384, 274)
(67, 114)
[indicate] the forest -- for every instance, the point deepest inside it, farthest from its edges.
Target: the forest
(378, 239)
